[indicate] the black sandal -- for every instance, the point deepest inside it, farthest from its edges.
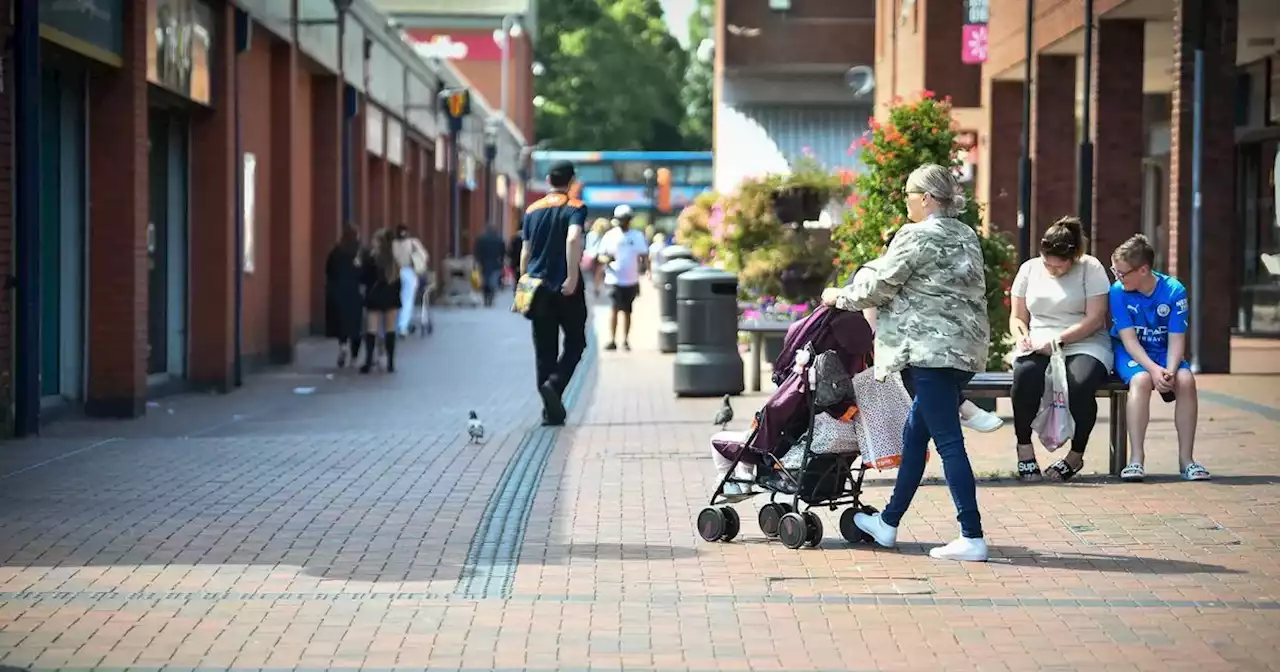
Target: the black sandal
(1029, 471)
(1062, 472)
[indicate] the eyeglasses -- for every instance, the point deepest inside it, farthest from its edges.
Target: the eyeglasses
(1120, 274)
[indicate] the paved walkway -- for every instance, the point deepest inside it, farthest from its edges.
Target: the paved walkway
(355, 527)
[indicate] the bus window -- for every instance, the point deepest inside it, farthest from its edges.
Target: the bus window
(700, 174)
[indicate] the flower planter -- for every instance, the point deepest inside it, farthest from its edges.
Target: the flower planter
(796, 205)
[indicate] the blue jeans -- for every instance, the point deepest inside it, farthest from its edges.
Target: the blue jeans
(933, 415)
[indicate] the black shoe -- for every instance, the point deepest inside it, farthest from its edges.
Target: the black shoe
(611, 346)
(626, 346)
(553, 408)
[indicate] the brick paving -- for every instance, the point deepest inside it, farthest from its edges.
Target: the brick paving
(355, 528)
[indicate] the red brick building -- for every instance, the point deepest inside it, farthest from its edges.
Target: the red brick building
(780, 88)
(1141, 126)
(157, 269)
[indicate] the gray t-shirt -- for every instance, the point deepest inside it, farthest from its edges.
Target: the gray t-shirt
(1056, 304)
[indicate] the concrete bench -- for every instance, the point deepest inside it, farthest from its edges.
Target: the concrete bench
(998, 384)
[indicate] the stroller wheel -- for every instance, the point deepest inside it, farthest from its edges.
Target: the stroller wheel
(770, 516)
(732, 523)
(814, 525)
(850, 531)
(793, 530)
(711, 524)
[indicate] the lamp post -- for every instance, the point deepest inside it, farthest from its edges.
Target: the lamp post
(1084, 159)
(1024, 169)
(510, 28)
(490, 153)
(26, 112)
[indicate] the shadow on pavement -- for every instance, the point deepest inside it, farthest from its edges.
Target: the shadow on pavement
(1021, 556)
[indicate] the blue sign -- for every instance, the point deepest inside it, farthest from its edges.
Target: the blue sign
(94, 28)
(613, 195)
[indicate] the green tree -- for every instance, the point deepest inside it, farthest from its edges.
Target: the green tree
(613, 76)
(699, 78)
(916, 133)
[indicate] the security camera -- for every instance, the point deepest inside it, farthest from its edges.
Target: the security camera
(861, 79)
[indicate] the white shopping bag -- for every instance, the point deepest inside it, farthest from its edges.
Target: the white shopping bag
(883, 408)
(1053, 423)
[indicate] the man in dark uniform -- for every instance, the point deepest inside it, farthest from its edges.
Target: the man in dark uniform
(551, 252)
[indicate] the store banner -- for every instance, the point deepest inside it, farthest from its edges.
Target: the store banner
(973, 35)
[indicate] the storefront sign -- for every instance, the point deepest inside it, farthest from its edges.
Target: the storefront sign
(179, 47)
(478, 46)
(973, 35)
(457, 105)
(395, 142)
(373, 125)
(94, 28)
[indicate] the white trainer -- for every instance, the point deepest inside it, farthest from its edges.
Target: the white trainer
(885, 535)
(963, 549)
(982, 421)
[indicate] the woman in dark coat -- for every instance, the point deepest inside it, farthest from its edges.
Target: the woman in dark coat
(343, 309)
(381, 280)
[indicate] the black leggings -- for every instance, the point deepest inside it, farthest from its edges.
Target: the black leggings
(1085, 374)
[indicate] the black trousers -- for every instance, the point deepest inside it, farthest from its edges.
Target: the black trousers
(555, 313)
(1085, 375)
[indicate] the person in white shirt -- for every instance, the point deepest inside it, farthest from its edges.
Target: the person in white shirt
(655, 249)
(624, 252)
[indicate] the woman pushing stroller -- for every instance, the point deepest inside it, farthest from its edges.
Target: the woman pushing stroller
(929, 291)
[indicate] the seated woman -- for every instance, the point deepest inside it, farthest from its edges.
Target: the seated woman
(1059, 296)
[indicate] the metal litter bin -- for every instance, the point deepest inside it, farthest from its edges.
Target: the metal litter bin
(667, 329)
(707, 361)
(668, 253)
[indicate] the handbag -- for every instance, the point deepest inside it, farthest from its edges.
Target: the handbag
(527, 290)
(1053, 422)
(883, 409)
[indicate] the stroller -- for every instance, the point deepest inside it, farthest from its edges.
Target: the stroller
(422, 323)
(814, 400)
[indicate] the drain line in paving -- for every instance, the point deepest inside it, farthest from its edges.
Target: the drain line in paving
(490, 567)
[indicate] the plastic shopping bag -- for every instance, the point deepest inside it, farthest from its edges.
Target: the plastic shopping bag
(883, 408)
(1053, 423)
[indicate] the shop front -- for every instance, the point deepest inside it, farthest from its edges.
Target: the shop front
(1258, 233)
(75, 45)
(180, 38)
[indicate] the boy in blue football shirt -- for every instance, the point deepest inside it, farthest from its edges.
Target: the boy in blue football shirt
(1149, 335)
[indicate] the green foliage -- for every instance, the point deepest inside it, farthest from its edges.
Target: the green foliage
(693, 228)
(699, 79)
(613, 76)
(916, 133)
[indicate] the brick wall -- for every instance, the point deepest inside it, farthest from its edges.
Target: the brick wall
(284, 225)
(1218, 188)
(1003, 152)
(944, 72)
(304, 222)
(1118, 143)
(1053, 123)
(6, 228)
(256, 87)
(326, 183)
(213, 201)
(117, 240)
(832, 32)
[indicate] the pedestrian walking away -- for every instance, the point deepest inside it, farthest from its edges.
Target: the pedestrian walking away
(381, 278)
(412, 259)
(343, 305)
(551, 254)
(623, 252)
(489, 252)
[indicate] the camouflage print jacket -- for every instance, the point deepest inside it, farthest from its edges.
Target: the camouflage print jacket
(930, 293)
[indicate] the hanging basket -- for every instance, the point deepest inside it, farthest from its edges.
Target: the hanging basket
(796, 205)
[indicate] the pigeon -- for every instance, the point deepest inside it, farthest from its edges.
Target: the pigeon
(725, 415)
(475, 428)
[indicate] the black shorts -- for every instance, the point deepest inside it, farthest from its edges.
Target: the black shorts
(623, 296)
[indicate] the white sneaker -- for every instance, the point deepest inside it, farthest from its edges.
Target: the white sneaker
(884, 534)
(982, 421)
(737, 491)
(964, 549)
